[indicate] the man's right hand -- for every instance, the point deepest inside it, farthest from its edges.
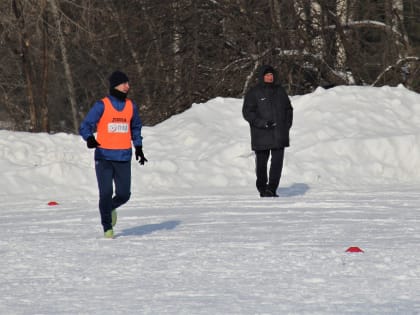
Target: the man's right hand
(91, 142)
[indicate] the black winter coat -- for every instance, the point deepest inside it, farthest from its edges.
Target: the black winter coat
(268, 103)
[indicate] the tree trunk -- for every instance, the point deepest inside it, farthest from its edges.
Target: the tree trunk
(316, 21)
(275, 13)
(26, 64)
(301, 34)
(176, 48)
(66, 64)
(398, 20)
(45, 122)
(342, 14)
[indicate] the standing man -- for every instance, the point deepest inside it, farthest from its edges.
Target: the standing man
(269, 113)
(117, 122)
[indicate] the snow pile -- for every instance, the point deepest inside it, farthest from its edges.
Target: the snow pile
(356, 135)
(345, 136)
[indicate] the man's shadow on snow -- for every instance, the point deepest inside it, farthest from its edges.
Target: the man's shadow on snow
(296, 189)
(149, 228)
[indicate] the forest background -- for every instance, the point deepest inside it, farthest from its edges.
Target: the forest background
(56, 55)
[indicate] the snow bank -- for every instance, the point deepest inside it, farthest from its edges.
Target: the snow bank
(345, 136)
(356, 135)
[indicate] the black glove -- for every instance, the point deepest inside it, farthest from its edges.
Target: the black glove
(91, 142)
(270, 124)
(140, 155)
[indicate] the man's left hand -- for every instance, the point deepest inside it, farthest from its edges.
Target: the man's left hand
(140, 155)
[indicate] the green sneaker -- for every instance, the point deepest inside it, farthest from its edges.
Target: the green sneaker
(114, 217)
(109, 234)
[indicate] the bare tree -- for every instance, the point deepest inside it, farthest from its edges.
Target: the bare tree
(66, 64)
(177, 46)
(25, 52)
(191, 51)
(44, 110)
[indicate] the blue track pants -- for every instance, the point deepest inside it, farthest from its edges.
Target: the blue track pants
(110, 174)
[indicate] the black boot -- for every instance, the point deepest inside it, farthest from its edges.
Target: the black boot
(269, 193)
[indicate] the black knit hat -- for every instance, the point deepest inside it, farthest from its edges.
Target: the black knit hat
(268, 69)
(116, 78)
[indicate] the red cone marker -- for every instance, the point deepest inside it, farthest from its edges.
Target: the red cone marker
(354, 250)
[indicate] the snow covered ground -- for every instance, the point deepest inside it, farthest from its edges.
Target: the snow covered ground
(196, 239)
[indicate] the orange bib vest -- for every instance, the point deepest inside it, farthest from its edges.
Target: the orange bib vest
(113, 129)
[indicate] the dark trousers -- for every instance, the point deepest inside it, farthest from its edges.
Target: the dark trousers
(276, 166)
(108, 174)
